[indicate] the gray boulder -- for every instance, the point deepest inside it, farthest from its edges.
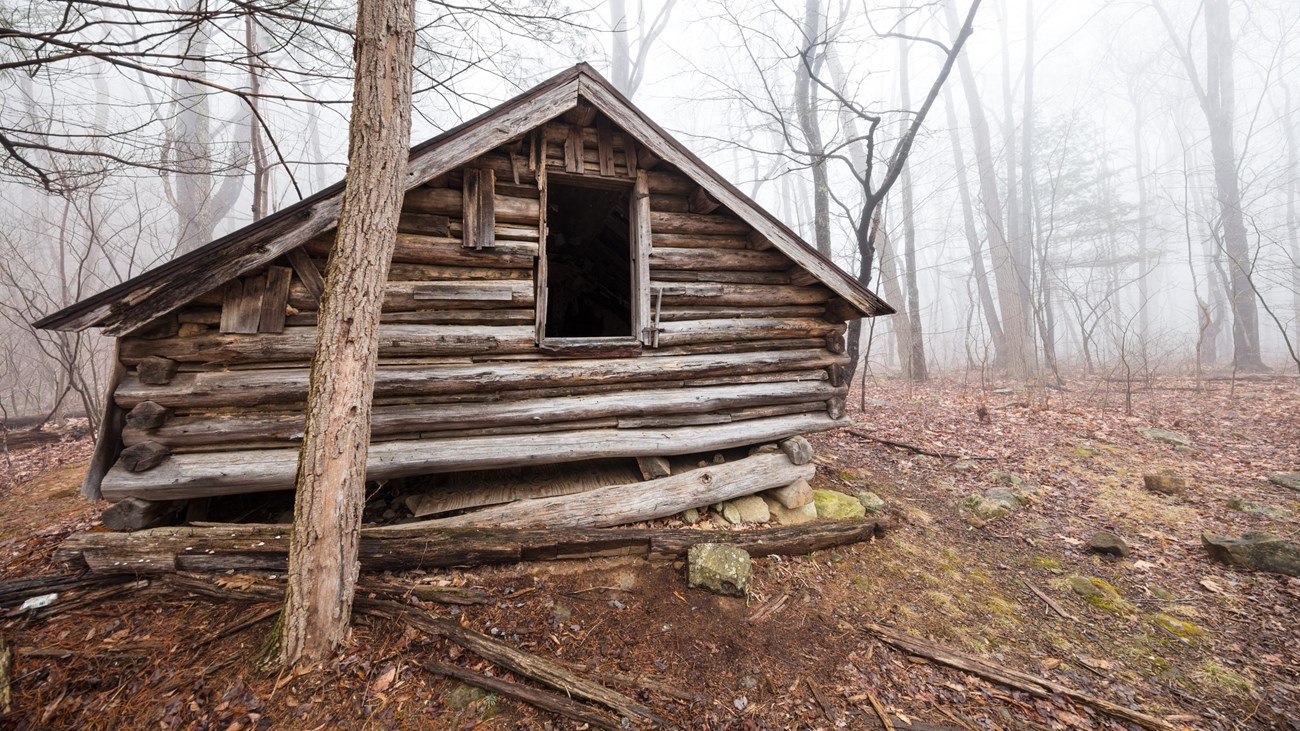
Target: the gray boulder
(1104, 541)
(719, 568)
(1165, 484)
(872, 502)
(1289, 480)
(748, 509)
(1256, 550)
(1167, 436)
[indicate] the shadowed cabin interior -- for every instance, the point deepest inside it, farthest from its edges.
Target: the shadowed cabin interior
(589, 262)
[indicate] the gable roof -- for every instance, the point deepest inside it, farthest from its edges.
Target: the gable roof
(164, 288)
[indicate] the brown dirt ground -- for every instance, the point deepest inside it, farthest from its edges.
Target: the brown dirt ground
(129, 661)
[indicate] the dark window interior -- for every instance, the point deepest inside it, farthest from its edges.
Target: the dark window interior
(589, 263)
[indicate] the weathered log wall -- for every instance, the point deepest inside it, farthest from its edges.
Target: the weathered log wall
(744, 346)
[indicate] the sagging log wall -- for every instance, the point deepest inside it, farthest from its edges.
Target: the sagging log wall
(745, 343)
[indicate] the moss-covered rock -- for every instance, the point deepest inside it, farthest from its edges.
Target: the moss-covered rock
(872, 502)
(836, 505)
(1177, 627)
(1100, 594)
(462, 696)
(1257, 509)
(719, 568)
(1045, 562)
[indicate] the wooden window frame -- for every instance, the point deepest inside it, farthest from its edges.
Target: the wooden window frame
(639, 255)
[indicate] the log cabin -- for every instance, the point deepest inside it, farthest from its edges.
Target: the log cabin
(570, 283)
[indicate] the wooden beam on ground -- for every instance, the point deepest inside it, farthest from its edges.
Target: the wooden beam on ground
(219, 548)
(638, 501)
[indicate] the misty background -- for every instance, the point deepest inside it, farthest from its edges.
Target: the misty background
(1100, 189)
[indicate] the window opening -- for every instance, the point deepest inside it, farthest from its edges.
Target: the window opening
(588, 263)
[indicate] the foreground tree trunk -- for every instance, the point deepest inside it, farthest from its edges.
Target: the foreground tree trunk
(323, 562)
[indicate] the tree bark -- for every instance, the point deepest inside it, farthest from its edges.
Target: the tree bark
(805, 102)
(991, 318)
(916, 368)
(323, 561)
(1011, 283)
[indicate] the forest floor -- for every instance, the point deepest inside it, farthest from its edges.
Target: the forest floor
(1199, 644)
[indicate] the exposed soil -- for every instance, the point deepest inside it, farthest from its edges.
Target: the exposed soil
(1230, 660)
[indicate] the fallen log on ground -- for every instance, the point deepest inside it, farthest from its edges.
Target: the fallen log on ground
(1002, 675)
(634, 502)
(265, 547)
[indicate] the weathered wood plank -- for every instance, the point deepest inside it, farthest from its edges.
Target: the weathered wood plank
(275, 299)
(640, 238)
(289, 385)
(479, 219)
(605, 147)
(573, 150)
(699, 241)
(299, 343)
(747, 295)
(692, 223)
(257, 470)
(308, 273)
(427, 202)
(241, 305)
(111, 422)
(407, 296)
(265, 547)
(662, 257)
(637, 501)
(250, 426)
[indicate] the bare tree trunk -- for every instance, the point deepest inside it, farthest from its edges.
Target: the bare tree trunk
(257, 153)
(901, 323)
(1218, 100)
(323, 562)
(805, 104)
(916, 366)
(621, 58)
(1018, 346)
(1292, 223)
(972, 232)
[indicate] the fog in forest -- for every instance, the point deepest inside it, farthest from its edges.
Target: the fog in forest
(1098, 189)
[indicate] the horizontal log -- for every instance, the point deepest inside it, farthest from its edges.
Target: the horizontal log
(289, 385)
(470, 294)
(258, 470)
(696, 223)
(704, 275)
(604, 507)
(662, 257)
(670, 203)
(447, 251)
(299, 343)
(265, 547)
(668, 182)
(704, 312)
(503, 232)
(447, 202)
(286, 426)
(726, 330)
(430, 273)
(748, 295)
(698, 241)
(492, 316)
